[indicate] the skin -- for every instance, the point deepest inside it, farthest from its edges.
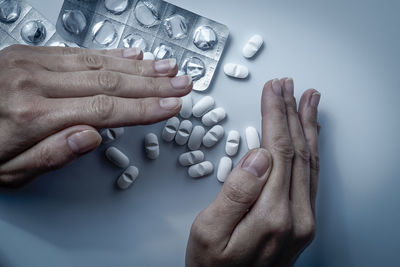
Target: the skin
(264, 214)
(53, 101)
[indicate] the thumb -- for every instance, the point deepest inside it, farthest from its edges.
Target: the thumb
(239, 192)
(51, 153)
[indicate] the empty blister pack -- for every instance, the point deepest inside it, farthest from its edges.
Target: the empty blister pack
(152, 25)
(22, 24)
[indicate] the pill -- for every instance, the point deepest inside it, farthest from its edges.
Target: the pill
(236, 70)
(111, 134)
(196, 137)
(202, 106)
(252, 46)
(115, 156)
(232, 143)
(170, 129)
(224, 168)
(128, 177)
(213, 136)
(151, 146)
(213, 117)
(187, 105)
(148, 56)
(191, 158)
(183, 133)
(252, 138)
(201, 169)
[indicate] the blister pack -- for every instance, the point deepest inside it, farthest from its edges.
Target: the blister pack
(22, 24)
(152, 25)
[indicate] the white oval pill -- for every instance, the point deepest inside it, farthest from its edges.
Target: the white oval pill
(201, 169)
(191, 158)
(128, 177)
(252, 138)
(213, 136)
(196, 137)
(170, 129)
(187, 105)
(224, 168)
(115, 156)
(151, 146)
(202, 106)
(184, 131)
(232, 143)
(252, 46)
(148, 56)
(213, 117)
(111, 134)
(236, 70)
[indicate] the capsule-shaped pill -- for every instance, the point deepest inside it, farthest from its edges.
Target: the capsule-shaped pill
(236, 70)
(201, 169)
(202, 106)
(170, 129)
(128, 177)
(184, 131)
(232, 143)
(196, 137)
(224, 168)
(213, 136)
(213, 117)
(115, 156)
(187, 105)
(111, 134)
(252, 46)
(191, 158)
(151, 146)
(252, 138)
(148, 56)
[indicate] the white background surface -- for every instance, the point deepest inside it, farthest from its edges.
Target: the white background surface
(348, 50)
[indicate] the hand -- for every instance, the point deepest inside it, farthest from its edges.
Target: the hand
(53, 99)
(265, 212)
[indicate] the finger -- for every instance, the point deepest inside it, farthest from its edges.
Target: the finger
(52, 153)
(90, 83)
(276, 137)
(103, 111)
(300, 180)
(131, 53)
(238, 194)
(309, 119)
(85, 62)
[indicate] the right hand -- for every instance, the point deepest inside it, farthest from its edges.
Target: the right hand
(265, 212)
(53, 99)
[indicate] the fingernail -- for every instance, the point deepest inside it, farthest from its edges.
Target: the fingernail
(84, 141)
(289, 86)
(170, 102)
(131, 52)
(276, 87)
(165, 66)
(316, 96)
(181, 82)
(257, 163)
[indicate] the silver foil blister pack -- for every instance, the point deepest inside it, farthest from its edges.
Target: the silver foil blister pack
(152, 25)
(22, 24)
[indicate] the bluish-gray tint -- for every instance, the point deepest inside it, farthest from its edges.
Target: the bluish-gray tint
(349, 50)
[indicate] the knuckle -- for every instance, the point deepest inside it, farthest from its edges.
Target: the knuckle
(302, 153)
(141, 109)
(200, 232)
(25, 112)
(234, 192)
(152, 86)
(21, 79)
(92, 61)
(8, 180)
(282, 146)
(137, 67)
(305, 233)
(314, 162)
(281, 224)
(108, 81)
(67, 51)
(103, 106)
(46, 159)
